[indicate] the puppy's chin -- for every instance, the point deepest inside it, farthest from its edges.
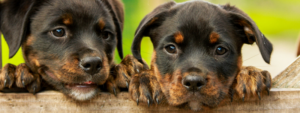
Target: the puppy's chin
(82, 92)
(195, 105)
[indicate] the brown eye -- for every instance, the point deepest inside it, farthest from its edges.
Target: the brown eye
(171, 49)
(221, 50)
(106, 35)
(60, 32)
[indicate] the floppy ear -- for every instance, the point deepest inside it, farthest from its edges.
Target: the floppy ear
(14, 22)
(117, 10)
(0, 50)
(150, 21)
(250, 31)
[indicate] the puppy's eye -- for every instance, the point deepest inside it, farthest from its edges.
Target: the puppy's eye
(221, 50)
(106, 35)
(171, 49)
(60, 32)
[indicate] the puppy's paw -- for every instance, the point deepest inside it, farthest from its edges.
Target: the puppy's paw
(126, 69)
(252, 82)
(7, 76)
(26, 79)
(121, 74)
(111, 85)
(21, 76)
(144, 88)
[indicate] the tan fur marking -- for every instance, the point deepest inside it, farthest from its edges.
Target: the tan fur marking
(153, 59)
(37, 63)
(240, 62)
(213, 38)
(29, 40)
(67, 19)
(248, 30)
(178, 37)
(152, 21)
(298, 49)
(101, 23)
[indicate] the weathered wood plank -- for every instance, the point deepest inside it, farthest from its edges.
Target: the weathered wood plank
(290, 77)
(280, 100)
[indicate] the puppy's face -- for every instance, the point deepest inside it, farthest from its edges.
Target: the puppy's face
(203, 56)
(71, 44)
(197, 51)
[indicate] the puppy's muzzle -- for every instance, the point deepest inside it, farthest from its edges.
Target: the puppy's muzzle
(91, 65)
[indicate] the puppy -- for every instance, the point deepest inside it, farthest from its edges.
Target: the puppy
(197, 56)
(67, 44)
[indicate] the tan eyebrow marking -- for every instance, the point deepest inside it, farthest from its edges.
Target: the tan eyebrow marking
(101, 23)
(178, 37)
(67, 19)
(213, 38)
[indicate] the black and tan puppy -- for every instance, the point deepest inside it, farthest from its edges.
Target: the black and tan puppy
(69, 44)
(197, 55)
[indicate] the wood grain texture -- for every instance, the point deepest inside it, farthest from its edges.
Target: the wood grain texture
(289, 78)
(280, 100)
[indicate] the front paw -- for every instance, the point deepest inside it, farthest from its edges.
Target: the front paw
(144, 88)
(121, 74)
(26, 79)
(252, 82)
(21, 76)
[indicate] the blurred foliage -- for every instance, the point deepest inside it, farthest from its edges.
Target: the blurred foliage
(17, 59)
(277, 19)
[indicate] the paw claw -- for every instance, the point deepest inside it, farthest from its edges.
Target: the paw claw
(115, 92)
(268, 91)
(34, 90)
(5, 81)
(137, 102)
(127, 85)
(148, 101)
(157, 101)
(243, 98)
(258, 94)
(23, 83)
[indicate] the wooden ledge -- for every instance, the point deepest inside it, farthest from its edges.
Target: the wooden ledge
(284, 97)
(280, 100)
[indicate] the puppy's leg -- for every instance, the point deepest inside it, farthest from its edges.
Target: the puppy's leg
(252, 82)
(121, 74)
(22, 77)
(144, 87)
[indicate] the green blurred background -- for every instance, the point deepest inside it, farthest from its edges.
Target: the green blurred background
(277, 19)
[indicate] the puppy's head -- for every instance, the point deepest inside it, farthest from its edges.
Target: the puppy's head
(70, 43)
(197, 49)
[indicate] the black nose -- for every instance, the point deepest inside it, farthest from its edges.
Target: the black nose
(193, 83)
(91, 65)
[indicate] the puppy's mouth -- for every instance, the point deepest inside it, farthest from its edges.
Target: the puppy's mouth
(84, 85)
(80, 91)
(81, 85)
